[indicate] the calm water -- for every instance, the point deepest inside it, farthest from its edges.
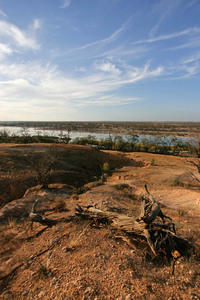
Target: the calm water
(12, 130)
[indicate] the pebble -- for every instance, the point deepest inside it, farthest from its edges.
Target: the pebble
(54, 280)
(49, 254)
(48, 262)
(9, 261)
(25, 293)
(6, 292)
(128, 297)
(65, 249)
(57, 286)
(42, 294)
(87, 292)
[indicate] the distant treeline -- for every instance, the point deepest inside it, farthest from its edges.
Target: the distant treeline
(140, 128)
(26, 138)
(132, 143)
(129, 143)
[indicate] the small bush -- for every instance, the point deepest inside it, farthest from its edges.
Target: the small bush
(81, 190)
(12, 222)
(152, 162)
(123, 186)
(59, 204)
(175, 182)
(42, 272)
(95, 183)
(106, 168)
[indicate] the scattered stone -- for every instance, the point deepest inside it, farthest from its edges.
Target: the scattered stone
(48, 263)
(25, 293)
(54, 269)
(9, 261)
(192, 272)
(49, 254)
(41, 294)
(57, 286)
(6, 292)
(54, 280)
(33, 273)
(66, 249)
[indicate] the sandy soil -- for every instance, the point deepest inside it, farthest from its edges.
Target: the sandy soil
(87, 262)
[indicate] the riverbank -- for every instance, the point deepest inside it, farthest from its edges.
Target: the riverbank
(179, 129)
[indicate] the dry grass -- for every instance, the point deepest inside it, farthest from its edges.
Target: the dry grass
(59, 204)
(175, 181)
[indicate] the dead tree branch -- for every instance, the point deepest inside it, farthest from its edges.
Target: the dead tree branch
(161, 238)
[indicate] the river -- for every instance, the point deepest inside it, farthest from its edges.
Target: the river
(14, 130)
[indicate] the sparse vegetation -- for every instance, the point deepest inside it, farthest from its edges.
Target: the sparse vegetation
(83, 254)
(42, 271)
(175, 181)
(152, 162)
(81, 190)
(123, 186)
(59, 204)
(106, 168)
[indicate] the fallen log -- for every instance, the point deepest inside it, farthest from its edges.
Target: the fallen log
(161, 238)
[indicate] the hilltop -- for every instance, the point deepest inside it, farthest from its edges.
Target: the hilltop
(79, 259)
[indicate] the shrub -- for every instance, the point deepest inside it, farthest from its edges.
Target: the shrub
(95, 183)
(59, 204)
(123, 186)
(175, 182)
(106, 168)
(81, 190)
(152, 162)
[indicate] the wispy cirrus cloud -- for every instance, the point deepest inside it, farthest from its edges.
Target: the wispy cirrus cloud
(192, 58)
(164, 9)
(2, 13)
(66, 3)
(13, 35)
(46, 83)
(5, 50)
(189, 31)
(108, 67)
(37, 24)
(107, 40)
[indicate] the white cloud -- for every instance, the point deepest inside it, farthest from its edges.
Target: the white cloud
(45, 85)
(189, 31)
(37, 24)
(5, 50)
(14, 35)
(164, 8)
(107, 40)
(66, 3)
(2, 13)
(108, 67)
(192, 58)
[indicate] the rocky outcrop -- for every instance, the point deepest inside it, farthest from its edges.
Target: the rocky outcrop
(20, 208)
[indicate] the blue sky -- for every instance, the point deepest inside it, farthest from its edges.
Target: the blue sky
(112, 60)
